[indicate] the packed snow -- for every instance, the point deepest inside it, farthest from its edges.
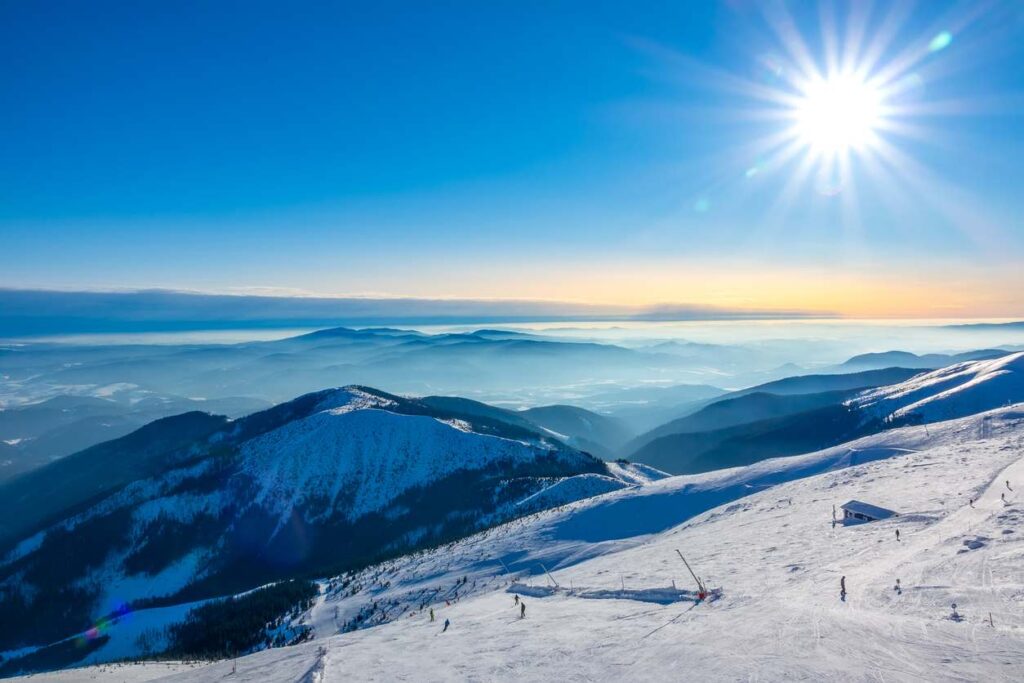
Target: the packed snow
(761, 537)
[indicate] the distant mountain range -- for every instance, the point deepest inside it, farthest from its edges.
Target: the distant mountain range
(770, 421)
(1013, 325)
(57, 399)
(905, 359)
(35, 434)
(487, 362)
(765, 408)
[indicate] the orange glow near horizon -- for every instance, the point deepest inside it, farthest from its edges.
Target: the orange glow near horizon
(825, 291)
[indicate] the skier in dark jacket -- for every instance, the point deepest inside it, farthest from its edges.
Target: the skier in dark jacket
(446, 624)
(522, 609)
(516, 601)
(897, 534)
(842, 589)
(431, 613)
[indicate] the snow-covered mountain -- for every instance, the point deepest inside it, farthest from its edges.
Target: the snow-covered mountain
(590, 546)
(739, 430)
(608, 598)
(954, 391)
(330, 481)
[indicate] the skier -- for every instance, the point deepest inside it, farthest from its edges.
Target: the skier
(446, 625)
(522, 609)
(431, 613)
(1008, 485)
(897, 535)
(898, 588)
(516, 601)
(1003, 496)
(972, 502)
(842, 589)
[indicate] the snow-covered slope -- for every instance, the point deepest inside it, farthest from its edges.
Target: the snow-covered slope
(954, 391)
(761, 536)
(636, 472)
(333, 480)
(365, 458)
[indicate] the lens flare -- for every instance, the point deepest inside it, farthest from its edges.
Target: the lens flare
(940, 42)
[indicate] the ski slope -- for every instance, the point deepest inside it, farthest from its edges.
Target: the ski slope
(761, 535)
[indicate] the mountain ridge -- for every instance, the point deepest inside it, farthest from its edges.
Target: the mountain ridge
(332, 479)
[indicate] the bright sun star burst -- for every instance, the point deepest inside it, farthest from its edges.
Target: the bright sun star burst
(841, 109)
(837, 114)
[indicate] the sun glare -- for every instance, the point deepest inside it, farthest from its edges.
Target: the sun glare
(838, 114)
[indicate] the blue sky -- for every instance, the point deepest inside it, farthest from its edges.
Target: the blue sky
(580, 151)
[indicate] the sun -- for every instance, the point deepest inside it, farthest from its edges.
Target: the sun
(837, 114)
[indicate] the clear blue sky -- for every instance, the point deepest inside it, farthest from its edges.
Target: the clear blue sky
(561, 150)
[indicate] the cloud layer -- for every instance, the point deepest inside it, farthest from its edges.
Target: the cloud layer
(45, 312)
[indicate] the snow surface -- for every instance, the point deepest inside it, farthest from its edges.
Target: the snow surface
(137, 672)
(760, 536)
(371, 454)
(636, 472)
(954, 391)
(571, 489)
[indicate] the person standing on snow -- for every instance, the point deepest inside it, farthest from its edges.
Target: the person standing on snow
(842, 589)
(446, 625)
(522, 609)
(897, 535)
(431, 613)
(516, 601)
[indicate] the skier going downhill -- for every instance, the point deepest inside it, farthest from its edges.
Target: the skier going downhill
(446, 625)
(897, 534)
(516, 601)
(431, 613)
(522, 609)
(842, 589)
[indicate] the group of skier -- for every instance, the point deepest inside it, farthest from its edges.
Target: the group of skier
(521, 604)
(516, 602)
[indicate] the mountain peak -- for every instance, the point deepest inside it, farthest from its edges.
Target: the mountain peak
(349, 398)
